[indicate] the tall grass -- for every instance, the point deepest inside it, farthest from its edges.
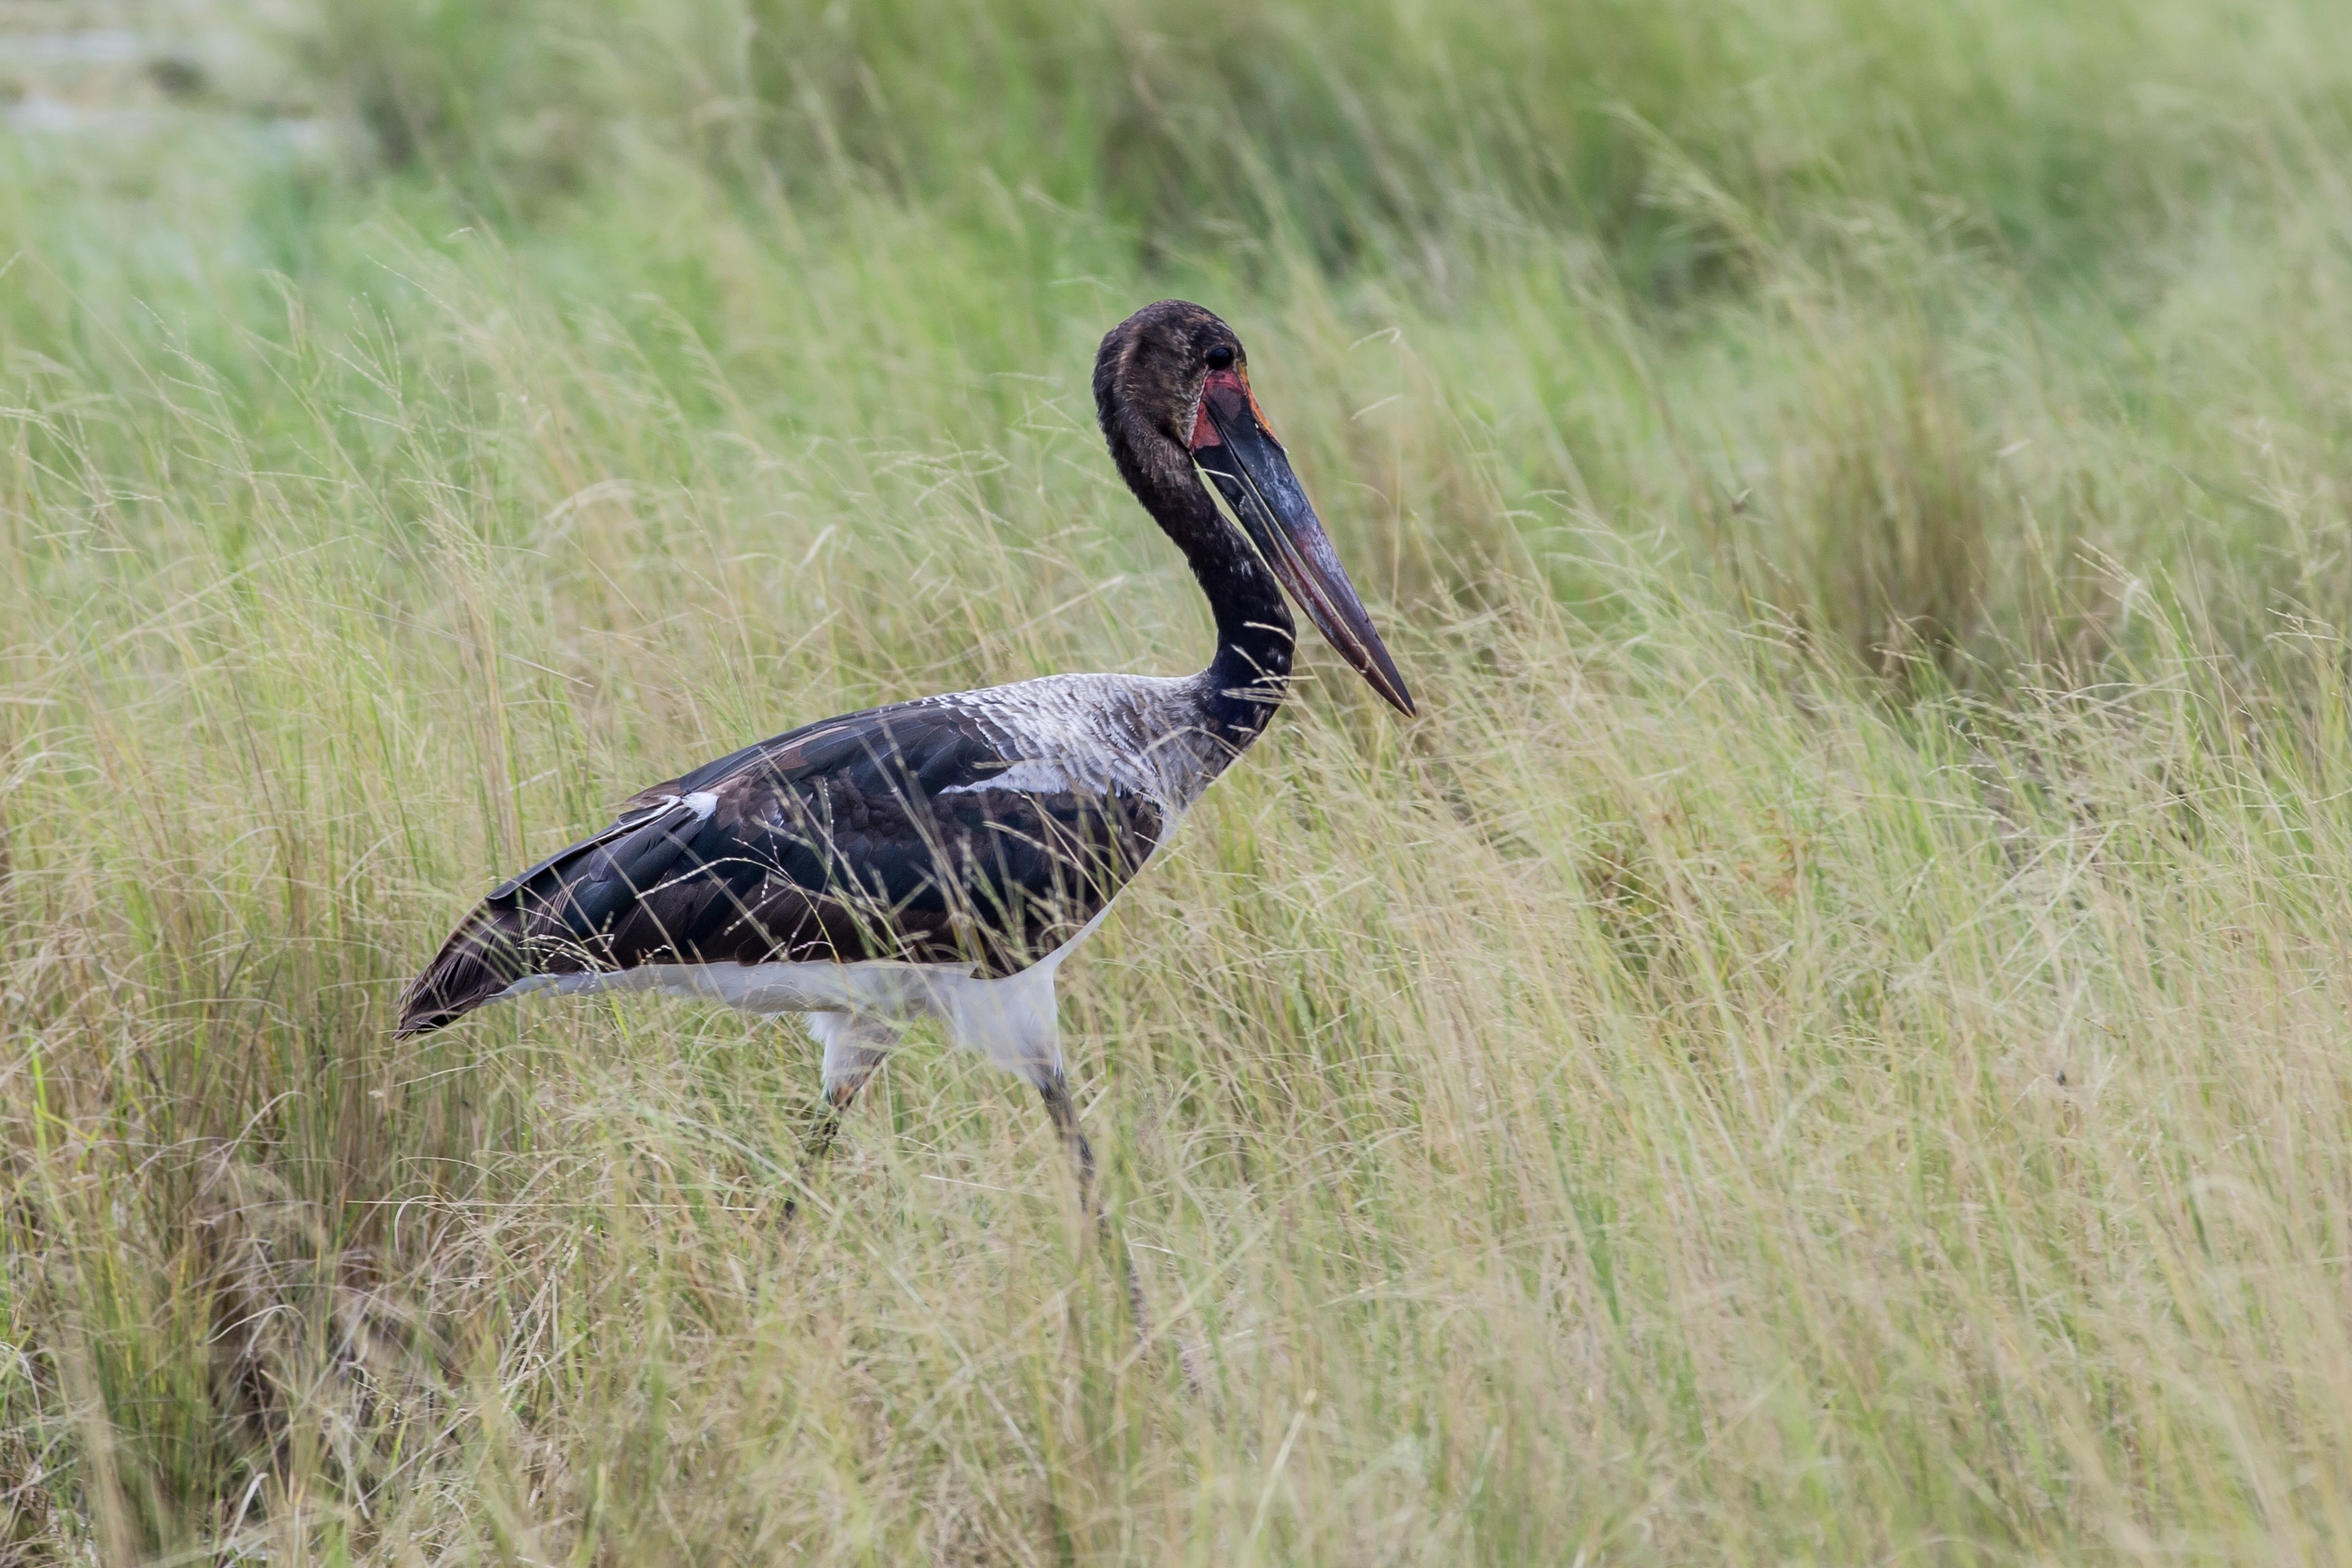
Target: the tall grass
(1824, 1043)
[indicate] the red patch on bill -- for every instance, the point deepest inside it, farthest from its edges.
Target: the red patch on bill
(1235, 380)
(1203, 429)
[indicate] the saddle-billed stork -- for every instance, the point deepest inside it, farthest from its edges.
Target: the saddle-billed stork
(941, 856)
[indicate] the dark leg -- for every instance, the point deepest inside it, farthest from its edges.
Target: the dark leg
(854, 1047)
(1056, 1092)
(822, 1129)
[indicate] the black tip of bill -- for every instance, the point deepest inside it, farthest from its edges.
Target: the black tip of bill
(1250, 468)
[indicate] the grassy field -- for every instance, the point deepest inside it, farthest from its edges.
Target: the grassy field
(1826, 1042)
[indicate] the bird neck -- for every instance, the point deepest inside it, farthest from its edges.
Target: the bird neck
(1256, 636)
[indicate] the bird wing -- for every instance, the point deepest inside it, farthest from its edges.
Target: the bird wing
(903, 832)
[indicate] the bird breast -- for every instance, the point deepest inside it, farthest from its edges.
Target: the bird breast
(1097, 734)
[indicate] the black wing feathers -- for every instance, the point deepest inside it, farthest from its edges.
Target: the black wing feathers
(870, 837)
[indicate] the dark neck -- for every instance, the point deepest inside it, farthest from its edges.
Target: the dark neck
(1255, 635)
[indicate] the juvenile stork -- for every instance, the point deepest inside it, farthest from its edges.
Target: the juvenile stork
(940, 858)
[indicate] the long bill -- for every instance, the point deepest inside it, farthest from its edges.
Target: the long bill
(1234, 447)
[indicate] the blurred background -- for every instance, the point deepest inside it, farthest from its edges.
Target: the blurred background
(1824, 1042)
(1951, 320)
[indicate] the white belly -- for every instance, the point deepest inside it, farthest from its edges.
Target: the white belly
(1010, 1020)
(897, 990)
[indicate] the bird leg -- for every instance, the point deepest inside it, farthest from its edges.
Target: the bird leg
(1056, 1092)
(1058, 1105)
(855, 1044)
(817, 1144)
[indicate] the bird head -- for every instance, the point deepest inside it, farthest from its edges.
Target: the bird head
(1172, 386)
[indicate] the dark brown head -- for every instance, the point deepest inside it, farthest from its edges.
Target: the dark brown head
(1171, 386)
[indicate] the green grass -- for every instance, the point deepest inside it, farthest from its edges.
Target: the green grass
(1825, 1042)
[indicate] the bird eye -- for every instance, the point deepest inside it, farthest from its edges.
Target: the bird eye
(1220, 358)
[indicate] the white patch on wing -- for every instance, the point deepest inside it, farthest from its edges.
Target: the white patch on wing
(1027, 777)
(701, 803)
